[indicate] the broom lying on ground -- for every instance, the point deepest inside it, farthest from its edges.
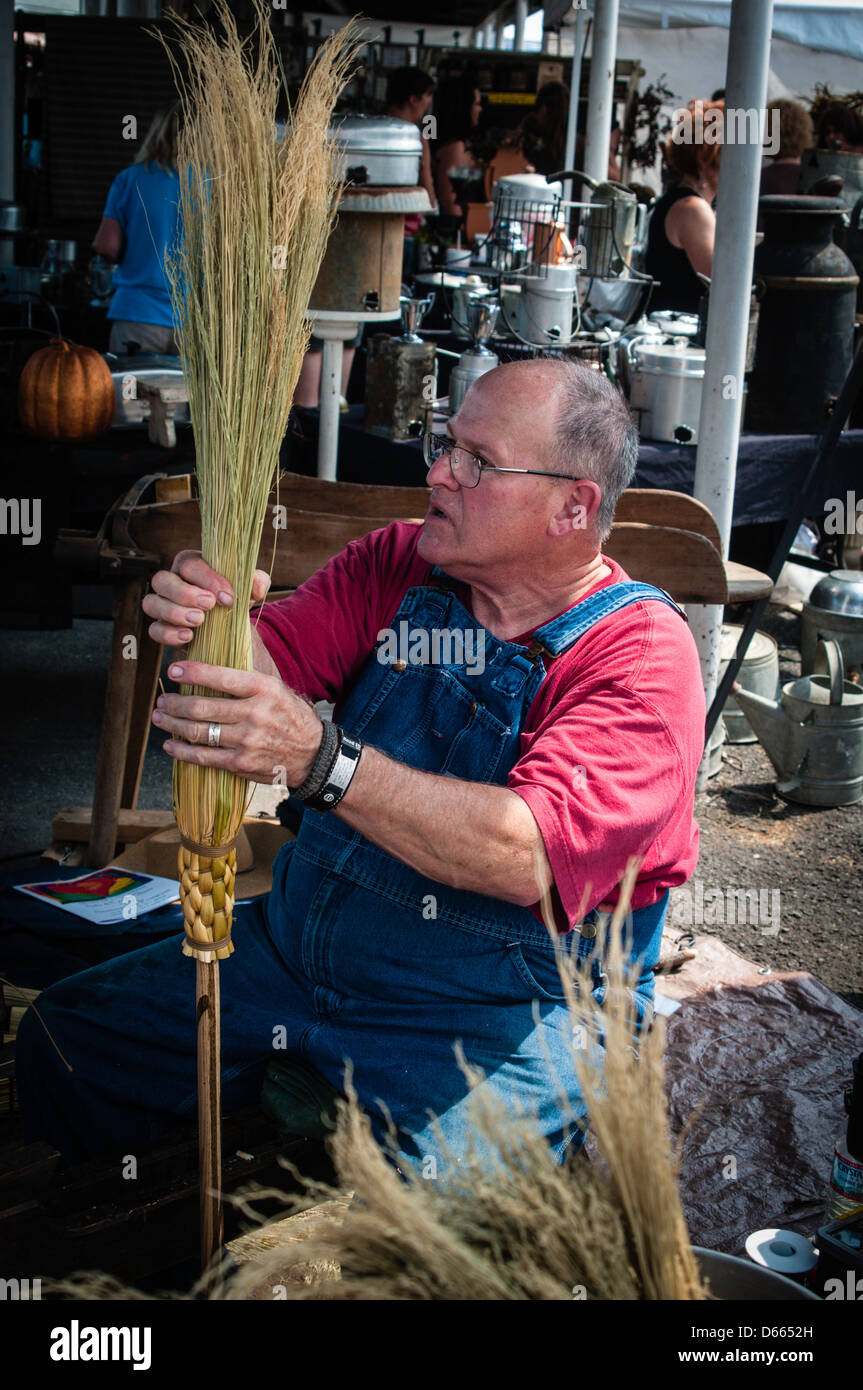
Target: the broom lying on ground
(521, 1227)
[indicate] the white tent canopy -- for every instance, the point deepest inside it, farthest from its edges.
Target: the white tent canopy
(814, 24)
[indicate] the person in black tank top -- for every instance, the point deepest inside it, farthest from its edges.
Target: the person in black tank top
(683, 224)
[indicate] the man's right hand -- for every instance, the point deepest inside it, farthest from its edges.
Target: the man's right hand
(181, 597)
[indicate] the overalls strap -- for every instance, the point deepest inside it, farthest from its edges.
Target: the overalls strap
(556, 637)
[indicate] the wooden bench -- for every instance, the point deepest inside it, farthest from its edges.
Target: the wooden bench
(663, 538)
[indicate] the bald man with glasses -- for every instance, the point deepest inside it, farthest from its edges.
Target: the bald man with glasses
(444, 804)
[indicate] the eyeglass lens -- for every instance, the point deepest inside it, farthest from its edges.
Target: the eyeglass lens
(463, 464)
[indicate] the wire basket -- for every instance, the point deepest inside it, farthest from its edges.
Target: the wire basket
(525, 234)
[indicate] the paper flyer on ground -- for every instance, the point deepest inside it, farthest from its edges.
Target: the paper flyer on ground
(107, 895)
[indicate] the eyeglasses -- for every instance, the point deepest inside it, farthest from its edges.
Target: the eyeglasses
(467, 468)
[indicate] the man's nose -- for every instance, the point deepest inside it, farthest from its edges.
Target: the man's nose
(440, 473)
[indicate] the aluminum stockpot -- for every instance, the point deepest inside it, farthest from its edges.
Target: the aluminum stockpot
(545, 305)
(834, 611)
(759, 673)
(732, 1278)
(380, 151)
(666, 385)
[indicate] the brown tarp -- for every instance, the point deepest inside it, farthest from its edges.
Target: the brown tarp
(756, 1067)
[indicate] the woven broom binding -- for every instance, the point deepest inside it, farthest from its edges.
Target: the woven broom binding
(207, 900)
(208, 851)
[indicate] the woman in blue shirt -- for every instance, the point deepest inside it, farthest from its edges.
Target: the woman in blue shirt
(140, 224)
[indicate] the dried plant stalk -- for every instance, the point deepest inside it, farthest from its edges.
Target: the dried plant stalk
(256, 213)
(515, 1225)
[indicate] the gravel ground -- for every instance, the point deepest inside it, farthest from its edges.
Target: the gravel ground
(752, 839)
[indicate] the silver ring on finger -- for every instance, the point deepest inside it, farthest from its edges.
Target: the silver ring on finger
(214, 734)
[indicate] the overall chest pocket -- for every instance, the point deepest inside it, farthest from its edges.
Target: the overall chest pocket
(430, 720)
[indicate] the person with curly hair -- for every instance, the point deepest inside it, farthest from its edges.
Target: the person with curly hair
(796, 134)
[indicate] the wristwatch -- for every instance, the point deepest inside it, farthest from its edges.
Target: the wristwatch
(340, 775)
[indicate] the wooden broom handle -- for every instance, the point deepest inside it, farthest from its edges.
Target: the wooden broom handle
(209, 1109)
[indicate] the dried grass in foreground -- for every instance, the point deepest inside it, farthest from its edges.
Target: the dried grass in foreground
(515, 1227)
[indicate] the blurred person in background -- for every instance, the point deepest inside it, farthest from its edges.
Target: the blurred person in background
(840, 127)
(796, 134)
(457, 109)
(140, 226)
(409, 96)
(544, 129)
(682, 228)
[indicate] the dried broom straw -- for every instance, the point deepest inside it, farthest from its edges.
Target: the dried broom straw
(519, 1226)
(256, 215)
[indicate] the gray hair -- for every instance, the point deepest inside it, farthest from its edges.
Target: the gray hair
(596, 435)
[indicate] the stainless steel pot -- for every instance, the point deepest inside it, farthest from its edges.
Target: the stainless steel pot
(378, 150)
(734, 1279)
(644, 328)
(835, 611)
(666, 386)
(13, 218)
(758, 673)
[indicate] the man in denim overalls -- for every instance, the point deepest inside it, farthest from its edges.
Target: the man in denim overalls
(513, 718)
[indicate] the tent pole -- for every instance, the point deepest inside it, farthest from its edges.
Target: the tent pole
(574, 99)
(601, 92)
(728, 319)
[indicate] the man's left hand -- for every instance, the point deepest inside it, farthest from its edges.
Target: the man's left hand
(266, 731)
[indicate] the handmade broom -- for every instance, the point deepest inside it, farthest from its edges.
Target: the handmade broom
(256, 214)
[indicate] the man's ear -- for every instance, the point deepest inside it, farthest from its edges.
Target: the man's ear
(581, 504)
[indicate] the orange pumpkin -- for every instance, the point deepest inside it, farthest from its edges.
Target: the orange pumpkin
(66, 393)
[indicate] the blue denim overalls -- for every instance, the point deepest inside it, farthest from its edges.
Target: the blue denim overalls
(355, 956)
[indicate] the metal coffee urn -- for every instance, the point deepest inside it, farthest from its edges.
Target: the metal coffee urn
(806, 327)
(482, 314)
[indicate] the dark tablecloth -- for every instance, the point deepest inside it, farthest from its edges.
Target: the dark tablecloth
(770, 468)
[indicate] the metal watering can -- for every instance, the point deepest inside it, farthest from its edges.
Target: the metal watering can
(813, 735)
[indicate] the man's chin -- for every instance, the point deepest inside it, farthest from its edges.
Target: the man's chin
(432, 545)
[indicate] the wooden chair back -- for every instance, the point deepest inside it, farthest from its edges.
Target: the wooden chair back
(352, 499)
(687, 565)
(660, 507)
(305, 542)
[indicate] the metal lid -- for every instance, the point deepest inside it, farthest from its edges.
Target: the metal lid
(678, 324)
(798, 203)
(671, 359)
(840, 591)
(377, 135)
(760, 646)
(526, 188)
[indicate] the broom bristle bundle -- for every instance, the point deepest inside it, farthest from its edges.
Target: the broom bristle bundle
(256, 214)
